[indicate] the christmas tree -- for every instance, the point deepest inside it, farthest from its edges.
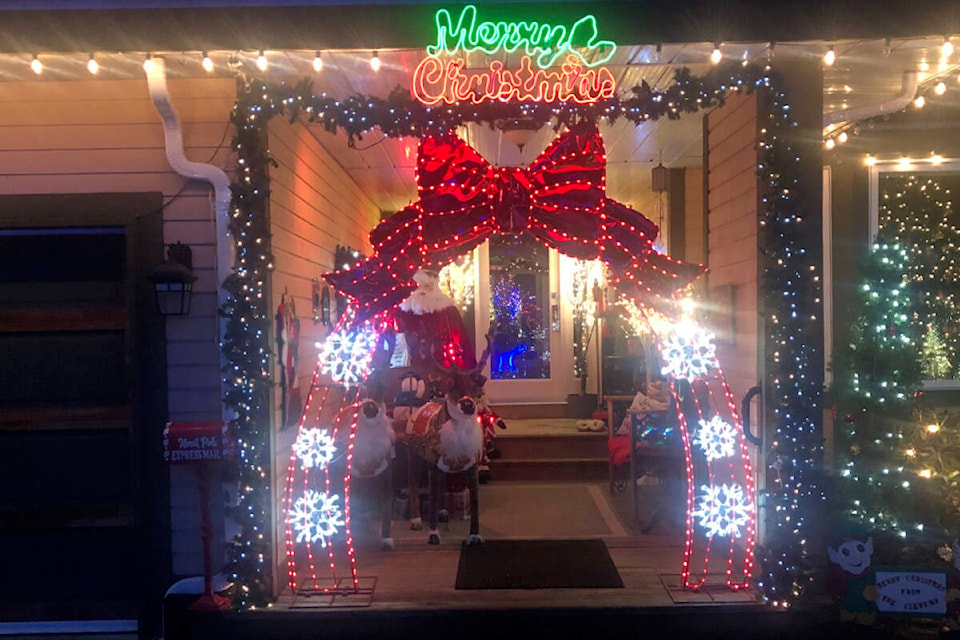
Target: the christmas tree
(916, 212)
(898, 459)
(935, 361)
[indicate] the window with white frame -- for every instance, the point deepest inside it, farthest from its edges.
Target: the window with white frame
(912, 206)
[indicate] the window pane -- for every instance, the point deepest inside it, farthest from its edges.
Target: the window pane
(61, 264)
(519, 303)
(916, 212)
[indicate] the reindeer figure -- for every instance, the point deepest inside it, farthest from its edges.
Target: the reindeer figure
(448, 436)
(373, 454)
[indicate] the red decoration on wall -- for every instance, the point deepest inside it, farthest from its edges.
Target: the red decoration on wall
(560, 200)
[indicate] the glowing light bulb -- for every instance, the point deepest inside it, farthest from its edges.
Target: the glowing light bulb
(870, 161)
(317, 62)
(904, 163)
(206, 63)
(148, 64)
(946, 50)
(717, 55)
(829, 143)
(36, 65)
(92, 65)
(262, 61)
(940, 89)
(936, 159)
(842, 138)
(375, 62)
(830, 56)
(911, 452)
(925, 473)
(933, 428)
(919, 102)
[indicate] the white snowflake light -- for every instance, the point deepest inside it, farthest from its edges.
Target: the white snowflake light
(316, 517)
(716, 438)
(346, 355)
(688, 351)
(723, 510)
(315, 448)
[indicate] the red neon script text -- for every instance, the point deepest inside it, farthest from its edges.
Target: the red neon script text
(436, 81)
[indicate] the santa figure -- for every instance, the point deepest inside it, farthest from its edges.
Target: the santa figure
(429, 319)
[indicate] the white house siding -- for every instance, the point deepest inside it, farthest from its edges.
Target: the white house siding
(105, 136)
(731, 166)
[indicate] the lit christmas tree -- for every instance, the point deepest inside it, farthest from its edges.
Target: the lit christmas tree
(898, 462)
(916, 212)
(935, 361)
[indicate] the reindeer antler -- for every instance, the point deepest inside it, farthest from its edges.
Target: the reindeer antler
(473, 374)
(485, 355)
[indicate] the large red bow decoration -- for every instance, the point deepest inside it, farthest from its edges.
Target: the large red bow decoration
(560, 200)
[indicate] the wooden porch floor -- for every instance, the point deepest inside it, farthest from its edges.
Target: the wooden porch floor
(417, 576)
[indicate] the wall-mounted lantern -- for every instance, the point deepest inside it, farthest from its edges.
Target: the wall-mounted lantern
(173, 281)
(325, 306)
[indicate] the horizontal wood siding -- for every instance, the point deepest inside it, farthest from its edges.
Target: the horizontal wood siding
(105, 136)
(731, 166)
(314, 206)
(695, 236)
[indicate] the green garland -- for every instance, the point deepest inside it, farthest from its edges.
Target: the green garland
(246, 349)
(788, 279)
(790, 299)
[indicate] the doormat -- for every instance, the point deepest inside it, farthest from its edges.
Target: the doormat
(537, 564)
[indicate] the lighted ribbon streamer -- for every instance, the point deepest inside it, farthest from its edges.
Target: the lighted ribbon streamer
(560, 200)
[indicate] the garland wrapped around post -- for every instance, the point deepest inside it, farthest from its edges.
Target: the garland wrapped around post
(247, 353)
(789, 280)
(791, 294)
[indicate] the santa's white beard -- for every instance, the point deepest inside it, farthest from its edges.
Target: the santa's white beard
(424, 301)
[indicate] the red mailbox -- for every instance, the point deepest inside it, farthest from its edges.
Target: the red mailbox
(201, 443)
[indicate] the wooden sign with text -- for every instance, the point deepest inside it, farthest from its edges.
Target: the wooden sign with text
(915, 592)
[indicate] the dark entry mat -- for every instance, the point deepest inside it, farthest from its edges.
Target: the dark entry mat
(537, 564)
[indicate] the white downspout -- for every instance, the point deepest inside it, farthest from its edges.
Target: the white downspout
(173, 139)
(907, 93)
(173, 142)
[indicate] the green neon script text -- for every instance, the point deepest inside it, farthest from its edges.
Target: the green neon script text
(543, 42)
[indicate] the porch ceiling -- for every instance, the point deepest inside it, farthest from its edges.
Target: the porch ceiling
(866, 72)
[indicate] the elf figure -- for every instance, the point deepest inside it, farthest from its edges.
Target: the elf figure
(852, 581)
